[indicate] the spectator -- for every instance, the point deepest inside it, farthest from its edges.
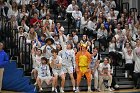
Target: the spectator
(129, 66)
(44, 11)
(3, 61)
(71, 7)
(13, 9)
(102, 35)
(34, 20)
(84, 39)
(25, 23)
(63, 4)
(37, 28)
(56, 39)
(14, 22)
(104, 70)
(84, 22)
(137, 63)
(44, 74)
(75, 37)
(21, 32)
(48, 19)
(36, 57)
(42, 39)
(96, 75)
(94, 66)
(48, 47)
(87, 11)
(91, 27)
(83, 7)
(33, 10)
(4, 8)
(68, 56)
(22, 2)
(112, 4)
(77, 14)
(23, 12)
(83, 67)
(92, 8)
(32, 35)
(56, 64)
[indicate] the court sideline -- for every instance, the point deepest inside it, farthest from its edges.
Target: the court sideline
(118, 91)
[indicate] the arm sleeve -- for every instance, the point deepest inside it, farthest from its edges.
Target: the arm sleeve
(5, 61)
(89, 57)
(26, 28)
(89, 25)
(68, 10)
(62, 42)
(77, 59)
(83, 22)
(100, 67)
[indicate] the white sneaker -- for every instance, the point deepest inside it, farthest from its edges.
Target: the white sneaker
(109, 89)
(126, 74)
(40, 89)
(89, 90)
(77, 90)
(74, 89)
(112, 89)
(52, 89)
(55, 90)
(61, 90)
(35, 83)
(99, 90)
(116, 86)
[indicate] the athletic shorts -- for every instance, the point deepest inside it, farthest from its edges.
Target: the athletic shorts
(47, 79)
(67, 69)
(58, 72)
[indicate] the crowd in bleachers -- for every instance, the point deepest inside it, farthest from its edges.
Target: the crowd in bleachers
(55, 53)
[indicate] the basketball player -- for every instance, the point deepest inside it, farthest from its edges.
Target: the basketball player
(56, 64)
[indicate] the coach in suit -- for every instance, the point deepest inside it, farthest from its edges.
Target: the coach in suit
(3, 60)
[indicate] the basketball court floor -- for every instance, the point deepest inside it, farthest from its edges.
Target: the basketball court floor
(118, 91)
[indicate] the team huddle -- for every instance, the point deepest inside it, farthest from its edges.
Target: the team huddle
(49, 64)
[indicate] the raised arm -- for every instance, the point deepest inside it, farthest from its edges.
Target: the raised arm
(61, 40)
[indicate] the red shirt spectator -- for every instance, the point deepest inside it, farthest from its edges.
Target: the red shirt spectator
(34, 20)
(62, 3)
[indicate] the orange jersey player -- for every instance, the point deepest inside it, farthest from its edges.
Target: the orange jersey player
(83, 59)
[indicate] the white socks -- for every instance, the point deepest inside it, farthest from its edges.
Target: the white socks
(89, 88)
(73, 88)
(52, 88)
(61, 90)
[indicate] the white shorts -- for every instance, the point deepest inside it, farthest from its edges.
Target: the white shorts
(67, 69)
(57, 72)
(47, 79)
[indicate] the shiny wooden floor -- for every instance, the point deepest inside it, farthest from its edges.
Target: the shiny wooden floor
(118, 91)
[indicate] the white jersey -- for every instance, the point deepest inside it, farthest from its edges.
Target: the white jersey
(48, 53)
(102, 66)
(36, 60)
(68, 57)
(58, 60)
(43, 71)
(94, 59)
